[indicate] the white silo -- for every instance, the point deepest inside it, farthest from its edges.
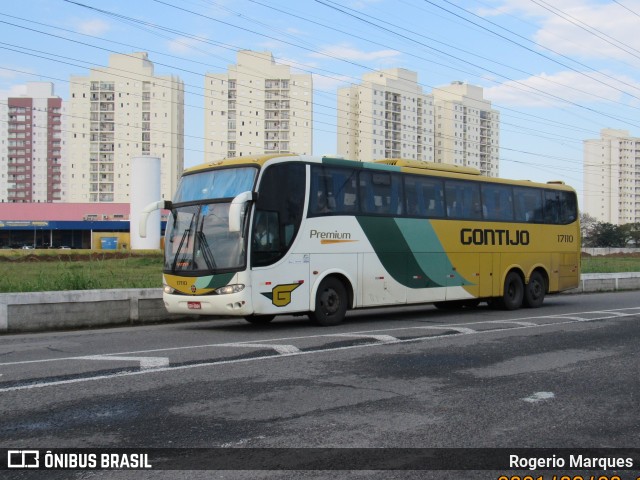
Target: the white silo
(145, 189)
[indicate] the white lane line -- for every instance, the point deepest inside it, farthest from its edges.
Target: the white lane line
(463, 330)
(265, 358)
(516, 322)
(281, 349)
(145, 362)
(379, 338)
(539, 397)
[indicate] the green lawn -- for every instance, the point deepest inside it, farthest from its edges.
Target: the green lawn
(46, 270)
(611, 264)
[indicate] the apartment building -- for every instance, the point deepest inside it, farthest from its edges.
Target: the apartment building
(117, 113)
(31, 143)
(256, 107)
(386, 116)
(612, 177)
(467, 128)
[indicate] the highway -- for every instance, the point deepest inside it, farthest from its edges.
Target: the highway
(564, 375)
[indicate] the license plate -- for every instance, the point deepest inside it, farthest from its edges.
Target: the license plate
(194, 305)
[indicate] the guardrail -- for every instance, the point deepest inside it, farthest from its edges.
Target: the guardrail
(45, 311)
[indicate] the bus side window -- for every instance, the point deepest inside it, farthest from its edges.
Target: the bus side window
(381, 193)
(333, 191)
(528, 205)
(463, 200)
(551, 207)
(568, 207)
(497, 202)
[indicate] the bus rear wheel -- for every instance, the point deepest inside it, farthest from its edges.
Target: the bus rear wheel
(331, 303)
(535, 290)
(259, 319)
(513, 292)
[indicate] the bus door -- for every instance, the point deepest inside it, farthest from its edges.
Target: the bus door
(280, 280)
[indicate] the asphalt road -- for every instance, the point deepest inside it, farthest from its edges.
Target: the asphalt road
(564, 375)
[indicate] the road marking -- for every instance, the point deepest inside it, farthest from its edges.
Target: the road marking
(291, 350)
(539, 397)
(516, 322)
(214, 363)
(463, 330)
(379, 338)
(281, 349)
(145, 362)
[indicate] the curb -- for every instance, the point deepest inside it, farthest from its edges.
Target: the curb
(49, 311)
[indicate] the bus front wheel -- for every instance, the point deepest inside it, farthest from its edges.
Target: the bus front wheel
(331, 303)
(513, 292)
(535, 290)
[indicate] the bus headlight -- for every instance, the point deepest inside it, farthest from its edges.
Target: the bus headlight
(166, 288)
(226, 290)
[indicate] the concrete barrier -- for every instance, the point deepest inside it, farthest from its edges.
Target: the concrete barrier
(42, 311)
(46, 311)
(607, 282)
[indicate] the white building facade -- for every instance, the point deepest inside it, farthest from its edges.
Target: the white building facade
(257, 107)
(467, 128)
(386, 116)
(612, 177)
(115, 114)
(31, 146)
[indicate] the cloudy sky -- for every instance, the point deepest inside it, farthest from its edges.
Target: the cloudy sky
(559, 71)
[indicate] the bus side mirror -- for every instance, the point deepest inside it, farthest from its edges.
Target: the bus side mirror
(237, 209)
(144, 216)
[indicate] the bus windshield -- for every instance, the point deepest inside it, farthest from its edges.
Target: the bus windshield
(197, 237)
(215, 184)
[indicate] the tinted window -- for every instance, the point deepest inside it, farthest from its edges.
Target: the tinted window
(381, 193)
(560, 207)
(333, 191)
(463, 200)
(497, 202)
(528, 205)
(278, 212)
(424, 197)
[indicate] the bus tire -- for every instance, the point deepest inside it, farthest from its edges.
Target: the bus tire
(259, 319)
(535, 290)
(331, 303)
(513, 292)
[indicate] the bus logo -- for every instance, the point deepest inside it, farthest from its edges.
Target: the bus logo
(280, 295)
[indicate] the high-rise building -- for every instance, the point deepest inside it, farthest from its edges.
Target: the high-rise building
(256, 107)
(117, 113)
(467, 128)
(385, 116)
(612, 177)
(31, 143)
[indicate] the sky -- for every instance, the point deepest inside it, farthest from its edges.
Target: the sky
(558, 71)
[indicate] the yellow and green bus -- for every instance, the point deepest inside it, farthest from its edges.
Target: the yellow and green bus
(261, 236)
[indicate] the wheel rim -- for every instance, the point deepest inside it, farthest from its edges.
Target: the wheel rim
(535, 288)
(330, 301)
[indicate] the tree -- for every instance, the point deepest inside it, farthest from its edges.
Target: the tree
(587, 223)
(606, 235)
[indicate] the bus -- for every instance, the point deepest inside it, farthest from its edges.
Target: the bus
(267, 235)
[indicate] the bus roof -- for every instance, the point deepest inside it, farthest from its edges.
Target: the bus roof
(390, 164)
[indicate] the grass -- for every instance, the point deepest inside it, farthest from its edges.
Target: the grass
(48, 270)
(611, 264)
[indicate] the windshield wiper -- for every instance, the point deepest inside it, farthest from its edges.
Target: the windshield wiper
(206, 252)
(186, 233)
